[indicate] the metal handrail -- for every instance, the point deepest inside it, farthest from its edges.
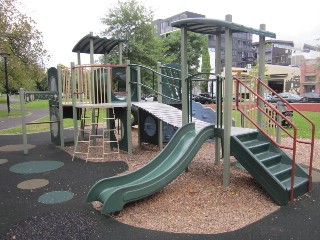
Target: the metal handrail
(154, 71)
(195, 77)
(294, 136)
(313, 126)
(155, 91)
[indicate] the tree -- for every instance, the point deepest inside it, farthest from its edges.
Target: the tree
(24, 43)
(205, 67)
(130, 20)
(195, 46)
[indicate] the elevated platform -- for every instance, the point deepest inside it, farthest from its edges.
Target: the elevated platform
(168, 114)
(173, 116)
(101, 105)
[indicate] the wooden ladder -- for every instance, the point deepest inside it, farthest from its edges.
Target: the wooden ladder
(89, 145)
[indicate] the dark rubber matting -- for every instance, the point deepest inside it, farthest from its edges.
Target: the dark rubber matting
(22, 216)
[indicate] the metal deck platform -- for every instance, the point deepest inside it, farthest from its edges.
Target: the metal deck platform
(168, 114)
(173, 116)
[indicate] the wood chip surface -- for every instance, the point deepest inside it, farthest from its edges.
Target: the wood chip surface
(196, 201)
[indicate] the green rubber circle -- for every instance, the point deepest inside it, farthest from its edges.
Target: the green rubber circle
(55, 197)
(36, 167)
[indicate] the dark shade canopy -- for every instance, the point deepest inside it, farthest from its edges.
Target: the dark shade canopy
(100, 45)
(214, 26)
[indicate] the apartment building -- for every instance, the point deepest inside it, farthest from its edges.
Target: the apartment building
(310, 76)
(278, 52)
(242, 54)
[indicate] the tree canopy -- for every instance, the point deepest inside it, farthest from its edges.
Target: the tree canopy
(24, 44)
(132, 21)
(195, 46)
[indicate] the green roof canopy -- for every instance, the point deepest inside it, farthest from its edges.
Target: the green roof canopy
(100, 45)
(214, 26)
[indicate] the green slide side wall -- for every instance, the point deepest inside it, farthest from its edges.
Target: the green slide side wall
(116, 191)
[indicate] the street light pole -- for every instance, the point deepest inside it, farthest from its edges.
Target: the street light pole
(5, 57)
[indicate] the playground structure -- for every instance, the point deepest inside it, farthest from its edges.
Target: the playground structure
(118, 89)
(53, 95)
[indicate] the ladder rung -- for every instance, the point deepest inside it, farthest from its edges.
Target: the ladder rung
(87, 128)
(96, 136)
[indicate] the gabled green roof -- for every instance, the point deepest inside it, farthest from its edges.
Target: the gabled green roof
(214, 26)
(100, 45)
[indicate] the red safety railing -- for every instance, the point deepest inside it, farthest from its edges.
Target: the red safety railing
(293, 136)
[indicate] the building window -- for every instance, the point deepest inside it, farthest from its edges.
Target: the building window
(310, 78)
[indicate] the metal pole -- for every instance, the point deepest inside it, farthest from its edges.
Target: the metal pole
(23, 121)
(7, 83)
(120, 52)
(184, 75)
(128, 88)
(60, 106)
(160, 134)
(227, 104)
(261, 69)
(218, 101)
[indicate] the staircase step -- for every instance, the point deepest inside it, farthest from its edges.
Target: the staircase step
(247, 137)
(280, 169)
(282, 173)
(257, 146)
(267, 155)
(269, 158)
(300, 185)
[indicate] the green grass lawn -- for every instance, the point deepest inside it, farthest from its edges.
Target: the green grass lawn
(13, 113)
(15, 108)
(3, 98)
(304, 127)
(33, 128)
(37, 104)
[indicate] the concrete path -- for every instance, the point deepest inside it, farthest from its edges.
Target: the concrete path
(33, 115)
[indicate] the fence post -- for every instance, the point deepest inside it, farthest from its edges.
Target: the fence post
(23, 121)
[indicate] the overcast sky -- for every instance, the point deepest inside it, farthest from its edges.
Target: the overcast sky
(64, 22)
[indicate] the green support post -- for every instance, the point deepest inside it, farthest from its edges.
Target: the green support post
(128, 87)
(218, 105)
(74, 109)
(60, 107)
(139, 83)
(227, 104)
(261, 71)
(160, 135)
(120, 52)
(184, 75)
(23, 121)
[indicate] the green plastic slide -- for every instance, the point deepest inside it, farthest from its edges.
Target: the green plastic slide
(115, 192)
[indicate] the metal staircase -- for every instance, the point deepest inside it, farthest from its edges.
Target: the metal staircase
(94, 141)
(263, 155)
(270, 166)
